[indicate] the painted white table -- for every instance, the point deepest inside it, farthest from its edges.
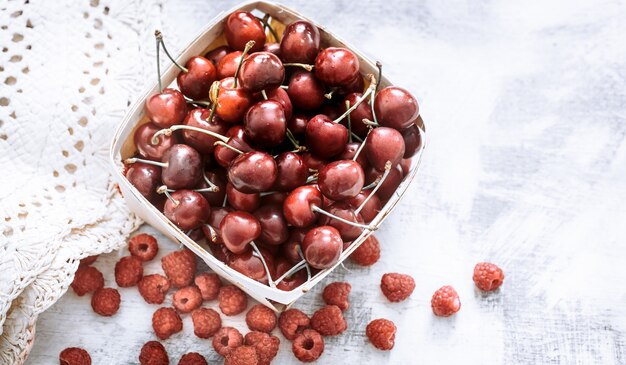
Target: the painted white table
(526, 112)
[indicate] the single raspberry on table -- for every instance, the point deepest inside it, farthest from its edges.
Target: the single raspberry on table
(209, 285)
(232, 300)
(153, 288)
(206, 322)
(88, 260)
(86, 280)
(487, 276)
(106, 301)
(308, 346)
(381, 333)
(128, 271)
(329, 321)
(187, 299)
(397, 287)
(266, 345)
(192, 358)
(337, 294)
(226, 340)
(143, 246)
(153, 353)
(179, 267)
(368, 253)
(261, 318)
(74, 356)
(166, 322)
(292, 322)
(445, 301)
(242, 355)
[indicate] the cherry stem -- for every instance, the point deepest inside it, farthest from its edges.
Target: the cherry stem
(297, 267)
(266, 193)
(358, 151)
(349, 123)
(168, 132)
(220, 143)
(284, 87)
(321, 211)
(312, 178)
(293, 139)
(329, 95)
(266, 24)
(149, 162)
(306, 264)
(267, 270)
(380, 74)
(380, 183)
(225, 200)
(303, 65)
(159, 37)
(213, 233)
(249, 45)
(213, 187)
(370, 123)
(163, 190)
(158, 48)
(370, 89)
(199, 102)
(264, 94)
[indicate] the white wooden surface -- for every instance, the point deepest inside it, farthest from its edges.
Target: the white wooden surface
(525, 105)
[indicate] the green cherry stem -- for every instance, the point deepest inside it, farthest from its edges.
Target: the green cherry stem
(264, 94)
(358, 151)
(170, 130)
(158, 49)
(163, 190)
(159, 37)
(220, 143)
(249, 45)
(149, 162)
(293, 140)
(212, 231)
(330, 215)
(212, 187)
(303, 65)
(266, 24)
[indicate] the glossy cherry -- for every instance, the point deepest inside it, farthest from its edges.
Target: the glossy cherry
(183, 168)
(324, 137)
(272, 47)
(274, 230)
(143, 137)
(336, 66)
(297, 124)
(395, 108)
(354, 86)
(238, 229)
(313, 162)
(251, 266)
(384, 144)
(238, 139)
(166, 108)
(196, 81)
(199, 118)
(242, 201)
(363, 111)
(241, 27)
(145, 178)
(322, 247)
(217, 178)
(298, 207)
(260, 71)
(372, 207)
(346, 211)
(292, 172)
(340, 180)
(300, 42)
(265, 123)
(253, 172)
(232, 102)
(350, 151)
(215, 55)
(227, 66)
(412, 141)
(280, 95)
(305, 91)
(187, 209)
(292, 281)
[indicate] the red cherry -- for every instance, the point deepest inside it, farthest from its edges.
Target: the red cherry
(289, 249)
(343, 210)
(242, 201)
(260, 71)
(298, 207)
(274, 230)
(277, 198)
(143, 137)
(412, 141)
(212, 227)
(297, 124)
(253, 172)
(354, 86)
(227, 66)
(232, 103)
(363, 111)
(292, 172)
(238, 139)
(331, 111)
(371, 208)
(305, 91)
(280, 95)
(188, 210)
(183, 168)
(292, 281)
(313, 162)
(395, 108)
(350, 151)
(238, 229)
(252, 266)
(322, 247)
(272, 48)
(300, 43)
(340, 180)
(166, 108)
(196, 82)
(241, 27)
(217, 54)
(199, 118)
(220, 251)
(324, 137)
(145, 178)
(336, 66)
(265, 123)
(384, 144)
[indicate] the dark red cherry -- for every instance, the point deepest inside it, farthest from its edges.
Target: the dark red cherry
(253, 172)
(292, 172)
(196, 82)
(371, 208)
(331, 111)
(166, 108)
(313, 162)
(199, 118)
(236, 138)
(384, 144)
(242, 201)
(251, 266)
(336, 66)
(412, 141)
(340, 180)
(343, 210)
(217, 54)
(241, 27)
(215, 219)
(143, 140)
(272, 48)
(277, 198)
(322, 247)
(363, 111)
(238, 229)
(232, 103)
(227, 66)
(220, 251)
(260, 71)
(395, 108)
(292, 281)
(351, 150)
(289, 249)
(184, 167)
(354, 86)
(297, 124)
(274, 230)
(145, 178)
(218, 178)
(189, 210)
(324, 137)
(298, 207)
(265, 123)
(300, 43)
(391, 183)
(305, 91)
(280, 95)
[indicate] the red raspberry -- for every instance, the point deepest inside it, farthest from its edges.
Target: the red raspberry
(487, 276)
(153, 288)
(337, 294)
(86, 280)
(242, 355)
(232, 300)
(266, 346)
(368, 253)
(292, 322)
(187, 299)
(74, 356)
(226, 340)
(445, 301)
(153, 353)
(397, 287)
(88, 260)
(308, 346)
(206, 322)
(329, 321)
(128, 271)
(166, 322)
(143, 246)
(261, 318)
(179, 266)
(192, 358)
(381, 333)
(209, 285)
(106, 301)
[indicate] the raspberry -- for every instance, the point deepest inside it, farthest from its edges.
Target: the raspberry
(232, 300)
(292, 322)
(128, 271)
(242, 355)
(487, 276)
(74, 356)
(166, 322)
(329, 321)
(226, 340)
(192, 358)
(337, 294)
(187, 299)
(206, 322)
(88, 260)
(308, 346)
(261, 318)
(368, 253)
(86, 280)
(209, 285)
(153, 288)
(381, 333)
(397, 287)
(106, 301)
(266, 345)
(445, 301)
(153, 353)
(143, 246)
(179, 267)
